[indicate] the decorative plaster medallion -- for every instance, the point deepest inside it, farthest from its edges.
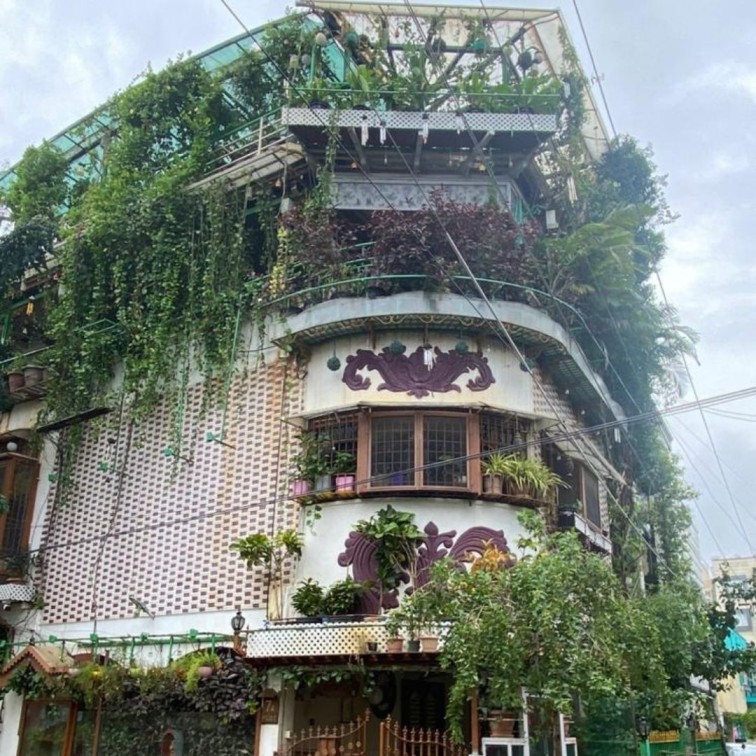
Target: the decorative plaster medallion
(424, 371)
(360, 554)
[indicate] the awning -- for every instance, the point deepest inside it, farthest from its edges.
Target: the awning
(47, 660)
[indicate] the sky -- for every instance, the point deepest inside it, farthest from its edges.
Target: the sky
(679, 75)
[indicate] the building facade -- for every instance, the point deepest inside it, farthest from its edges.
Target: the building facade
(352, 392)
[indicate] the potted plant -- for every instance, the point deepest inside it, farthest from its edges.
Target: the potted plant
(308, 599)
(16, 562)
(528, 478)
(494, 466)
(341, 598)
(312, 600)
(15, 380)
(312, 467)
(197, 666)
(421, 612)
(501, 723)
(395, 641)
(342, 468)
(262, 550)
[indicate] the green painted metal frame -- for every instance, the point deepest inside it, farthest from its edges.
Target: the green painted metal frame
(81, 142)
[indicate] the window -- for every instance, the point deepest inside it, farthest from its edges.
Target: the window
(582, 486)
(743, 618)
(336, 434)
(502, 432)
(18, 485)
(45, 727)
(419, 450)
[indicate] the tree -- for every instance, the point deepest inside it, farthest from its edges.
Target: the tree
(554, 623)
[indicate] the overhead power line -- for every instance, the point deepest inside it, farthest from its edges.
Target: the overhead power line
(711, 401)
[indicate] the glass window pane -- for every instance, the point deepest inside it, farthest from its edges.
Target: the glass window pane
(445, 438)
(84, 733)
(45, 725)
(592, 506)
(392, 451)
(19, 504)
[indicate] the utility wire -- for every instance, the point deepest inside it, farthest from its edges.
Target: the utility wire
(595, 69)
(709, 435)
(710, 401)
(510, 342)
(702, 464)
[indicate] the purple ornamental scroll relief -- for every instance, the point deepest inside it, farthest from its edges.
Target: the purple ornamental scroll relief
(420, 373)
(360, 555)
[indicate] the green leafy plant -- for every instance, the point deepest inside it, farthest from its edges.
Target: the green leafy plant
(313, 600)
(342, 463)
(311, 461)
(190, 665)
(396, 538)
(262, 550)
(527, 477)
(308, 598)
(341, 597)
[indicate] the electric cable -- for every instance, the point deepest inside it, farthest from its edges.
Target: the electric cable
(702, 464)
(510, 342)
(709, 435)
(714, 400)
(595, 68)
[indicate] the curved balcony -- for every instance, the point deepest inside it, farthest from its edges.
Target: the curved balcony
(366, 304)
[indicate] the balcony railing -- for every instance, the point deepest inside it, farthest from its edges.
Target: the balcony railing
(333, 636)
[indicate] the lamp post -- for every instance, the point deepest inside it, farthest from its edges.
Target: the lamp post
(237, 625)
(643, 730)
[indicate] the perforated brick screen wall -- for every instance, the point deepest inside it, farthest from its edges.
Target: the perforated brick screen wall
(185, 565)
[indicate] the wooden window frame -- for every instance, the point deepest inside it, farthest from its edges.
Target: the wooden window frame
(580, 471)
(13, 462)
(364, 451)
(68, 740)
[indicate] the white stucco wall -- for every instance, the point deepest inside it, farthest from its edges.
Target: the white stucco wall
(325, 389)
(325, 541)
(11, 721)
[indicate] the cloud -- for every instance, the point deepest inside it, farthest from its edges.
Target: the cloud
(723, 78)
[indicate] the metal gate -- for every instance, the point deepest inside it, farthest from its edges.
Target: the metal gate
(395, 740)
(340, 740)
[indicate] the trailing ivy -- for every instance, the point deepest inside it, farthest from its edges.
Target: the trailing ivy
(151, 273)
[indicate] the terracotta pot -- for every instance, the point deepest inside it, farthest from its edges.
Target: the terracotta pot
(395, 645)
(492, 484)
(15, 381)
(429, 643)
(502, 724)
(33, 375)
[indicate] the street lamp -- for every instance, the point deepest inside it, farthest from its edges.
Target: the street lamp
(644, 729)
(237, 625)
